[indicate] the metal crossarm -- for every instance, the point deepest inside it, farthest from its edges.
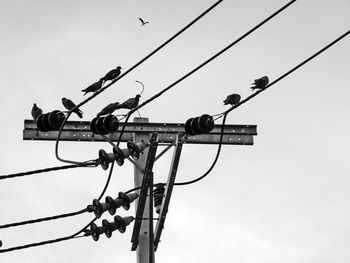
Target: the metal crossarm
(80, 131)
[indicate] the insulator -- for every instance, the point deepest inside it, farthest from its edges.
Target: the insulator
(120, 155)
(96, 231)
(199, 125)
(123, 222)
(158, 194)
(109, 227)
(105, 158)
(104, 125)
(137, 148)
(50, 121)
(122, 200)
(99, 208)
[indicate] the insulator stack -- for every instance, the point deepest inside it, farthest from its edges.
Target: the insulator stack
(158, 194)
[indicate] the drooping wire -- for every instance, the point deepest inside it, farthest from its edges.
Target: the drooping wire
(215, 160)
(124, 74)
(107, 182)
(224, 114)
(92, 163)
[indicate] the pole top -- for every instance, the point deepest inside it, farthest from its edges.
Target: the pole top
(140, 119)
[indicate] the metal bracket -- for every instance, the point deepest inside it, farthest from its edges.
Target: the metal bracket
(168, 191)
(144, 189)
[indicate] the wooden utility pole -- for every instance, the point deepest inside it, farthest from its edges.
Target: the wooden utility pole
(145, 239)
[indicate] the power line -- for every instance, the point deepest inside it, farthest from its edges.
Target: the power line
(44, 219)
(212, 58)
(288, 72)
(201, 65)
(126, 72)
(85, 164)
(46, 242)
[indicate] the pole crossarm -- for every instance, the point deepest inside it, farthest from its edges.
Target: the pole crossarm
(144, 189)
(80, 131)
(167, 194)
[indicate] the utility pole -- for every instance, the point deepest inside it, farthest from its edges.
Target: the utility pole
(145, 238)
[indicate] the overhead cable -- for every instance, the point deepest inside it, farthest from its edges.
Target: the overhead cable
(124, 74)
(85, 164)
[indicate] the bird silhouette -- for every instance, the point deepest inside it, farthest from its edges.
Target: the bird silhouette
(109, 109)
(36, 111)
(143, 22)
(260, 83)
(111, 75)
(93, 87)
(68, 104)
(130, 103)
(232, 99)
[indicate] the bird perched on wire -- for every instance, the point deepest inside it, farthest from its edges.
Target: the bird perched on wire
(68, 104)
(111, 75)
(130, 103)
(232, 99)
(109, 109)
(93, 87)
(143, 22)
(260, 83)
(36, 111)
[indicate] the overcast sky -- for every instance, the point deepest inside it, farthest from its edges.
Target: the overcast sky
(284, 199)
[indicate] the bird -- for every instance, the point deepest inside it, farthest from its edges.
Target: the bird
(130, 103)
(68, 104)
(143, 22)
(109, 109)
(36, 111)
(260, 83)
(232, 99)
(93, 87)
(111, 75)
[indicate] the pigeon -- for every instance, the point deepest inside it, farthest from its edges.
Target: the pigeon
(111, 75)
(36, 111)
(130, 103)
(68, 104)
(93, 87)
(232, 99)
(143, 22)
(260, 83)
(109, 109)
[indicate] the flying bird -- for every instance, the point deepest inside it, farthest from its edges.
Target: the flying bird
(36, 111)
(143, 22)
(68, 104)
(232, 99)
(260, 83)
(130, 103)
(109, 109)
(93, 87)
(111, 75)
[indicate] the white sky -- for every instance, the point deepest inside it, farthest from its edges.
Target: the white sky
(284, 199)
